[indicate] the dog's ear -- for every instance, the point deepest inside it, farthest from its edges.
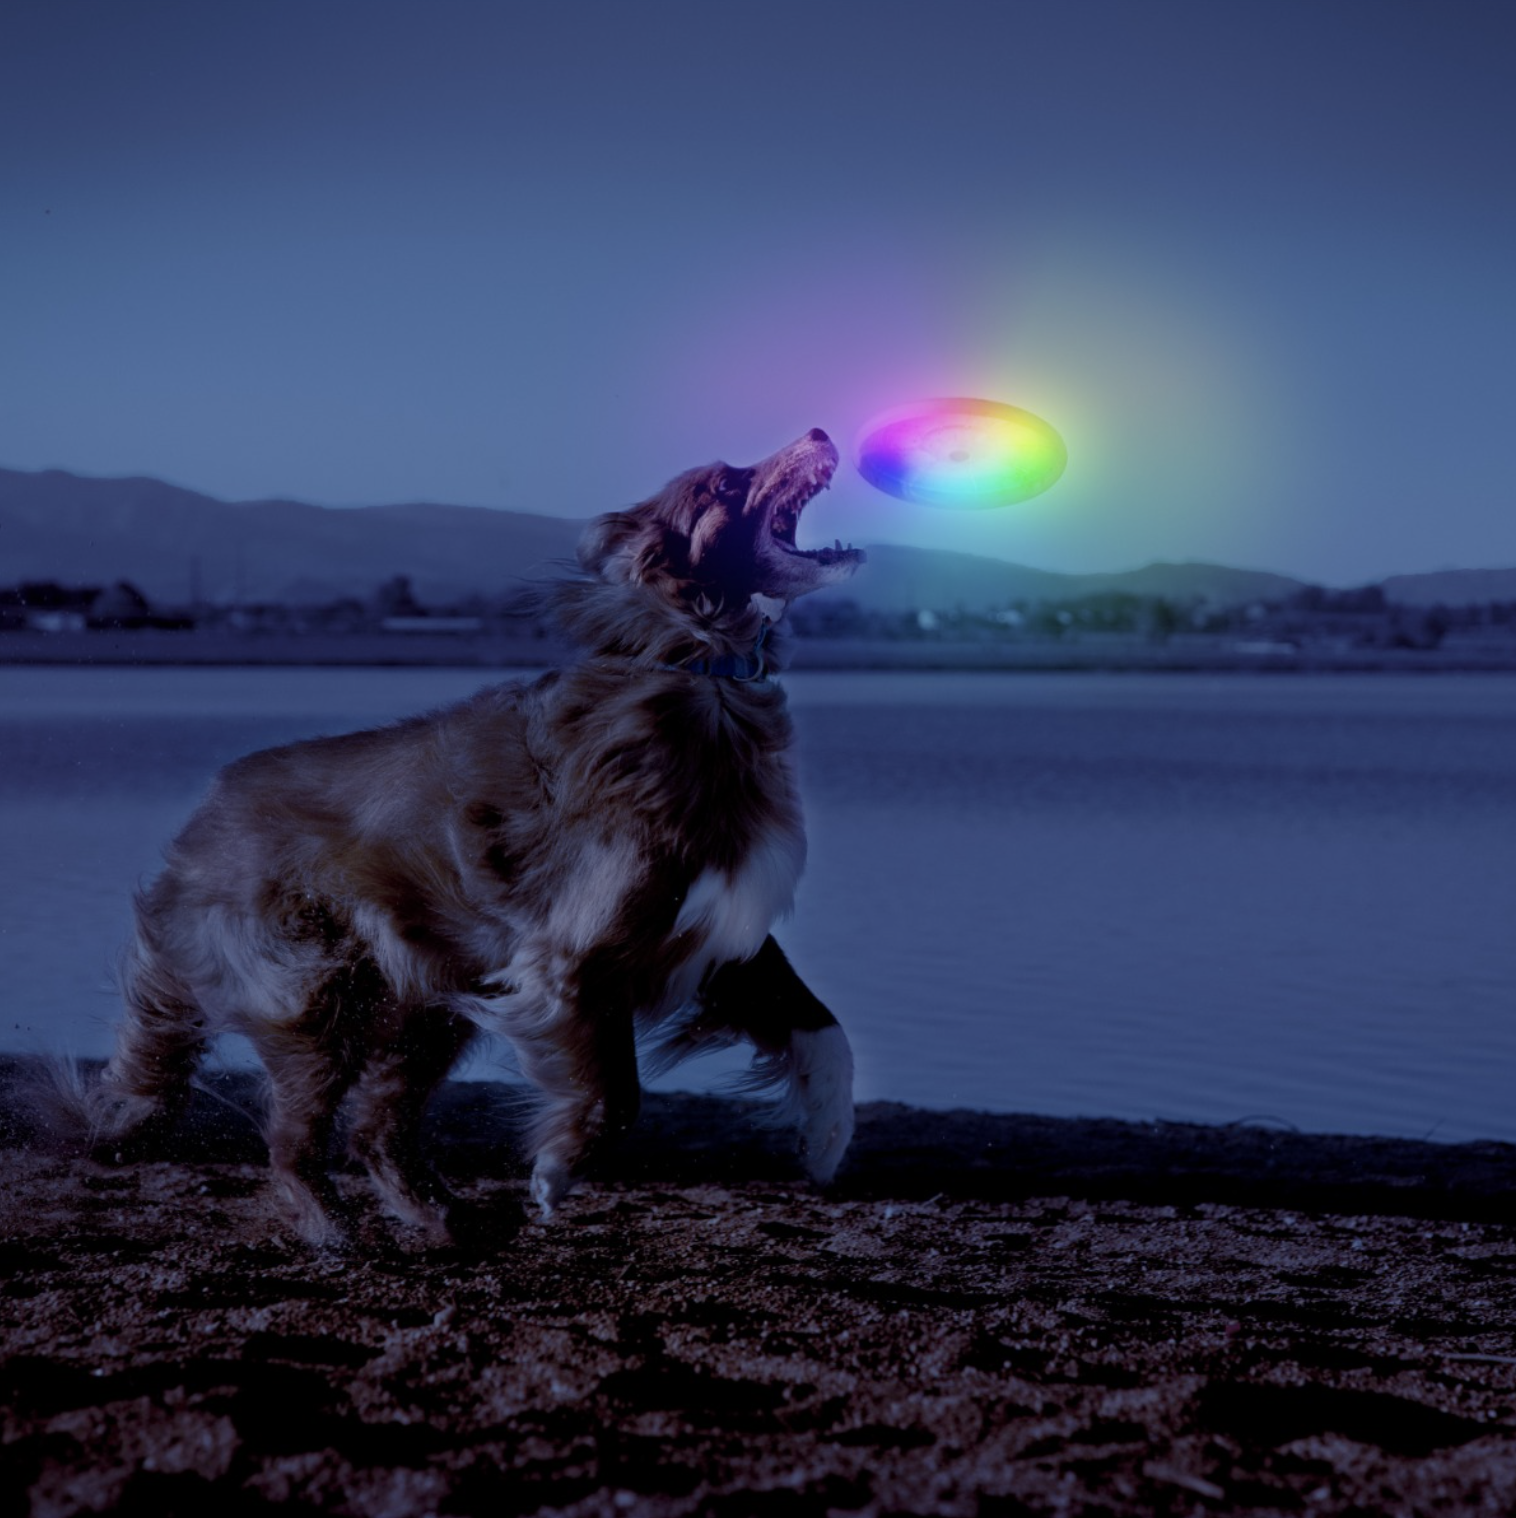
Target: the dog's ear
(631, 547)
(604, 539)
(709, 534)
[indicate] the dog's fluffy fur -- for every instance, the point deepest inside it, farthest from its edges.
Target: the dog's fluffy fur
(563, 863)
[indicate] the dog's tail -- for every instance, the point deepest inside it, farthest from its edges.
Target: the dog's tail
(145, 1083)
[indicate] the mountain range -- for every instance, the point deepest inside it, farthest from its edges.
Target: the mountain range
(178, 546)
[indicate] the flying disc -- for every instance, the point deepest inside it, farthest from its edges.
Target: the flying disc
(960, 452)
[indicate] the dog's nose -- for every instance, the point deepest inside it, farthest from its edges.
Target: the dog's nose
(816, 435)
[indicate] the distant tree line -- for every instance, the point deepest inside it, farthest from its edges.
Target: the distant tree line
(50, 606)
(47, 606)
(1362, 618)
(1357, 618)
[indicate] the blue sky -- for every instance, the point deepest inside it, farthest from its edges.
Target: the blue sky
(1254, 261)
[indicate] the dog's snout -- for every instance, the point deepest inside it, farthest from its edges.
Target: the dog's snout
(816, 435)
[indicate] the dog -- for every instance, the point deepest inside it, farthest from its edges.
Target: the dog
(566, 863)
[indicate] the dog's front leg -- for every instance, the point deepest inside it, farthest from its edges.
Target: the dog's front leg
(800, 1045)
(577, 1048)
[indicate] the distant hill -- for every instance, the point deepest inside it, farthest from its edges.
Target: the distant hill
(904, 579)
(56, 525)
(166, 540)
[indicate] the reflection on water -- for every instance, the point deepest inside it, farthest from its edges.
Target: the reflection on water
(1207, 898)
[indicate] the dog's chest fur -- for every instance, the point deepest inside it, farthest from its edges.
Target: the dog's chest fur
(668, 835)
(727, 913)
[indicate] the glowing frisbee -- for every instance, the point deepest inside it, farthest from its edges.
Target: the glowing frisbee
(960, 452)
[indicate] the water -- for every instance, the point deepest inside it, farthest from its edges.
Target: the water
(1207, 898)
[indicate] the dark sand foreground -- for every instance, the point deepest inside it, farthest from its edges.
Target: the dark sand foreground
(987, 1315)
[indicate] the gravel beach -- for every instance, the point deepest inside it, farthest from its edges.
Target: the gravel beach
(986, 1315)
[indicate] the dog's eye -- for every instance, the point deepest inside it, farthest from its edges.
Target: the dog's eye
(731, 485)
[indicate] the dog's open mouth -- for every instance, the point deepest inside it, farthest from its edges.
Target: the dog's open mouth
(784, 521)
(785, 485)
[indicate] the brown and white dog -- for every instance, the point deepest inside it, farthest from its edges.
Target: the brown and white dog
(564, 863)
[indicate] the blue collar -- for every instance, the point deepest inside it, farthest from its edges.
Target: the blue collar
(749, 667)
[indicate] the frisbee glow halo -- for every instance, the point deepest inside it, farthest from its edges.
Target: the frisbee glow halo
(960, 452)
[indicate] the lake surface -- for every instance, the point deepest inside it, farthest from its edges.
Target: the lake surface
(1285, 899)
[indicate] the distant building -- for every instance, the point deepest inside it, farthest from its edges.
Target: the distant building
(120, 605)
(46, 606)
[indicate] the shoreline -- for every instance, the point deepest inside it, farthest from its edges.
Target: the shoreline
(901, 1152)
(988, 1314)
(1181, 655)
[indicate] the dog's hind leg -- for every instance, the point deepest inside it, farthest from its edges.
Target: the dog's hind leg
(801, 1049)
(159, 1042)
(392, 1093)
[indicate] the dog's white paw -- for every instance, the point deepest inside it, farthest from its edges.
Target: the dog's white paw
(822, 1098)
(551, 1182)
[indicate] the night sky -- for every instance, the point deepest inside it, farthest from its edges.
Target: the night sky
(1256, 262)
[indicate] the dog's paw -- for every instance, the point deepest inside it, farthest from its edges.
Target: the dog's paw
(822, 1099)
(325, 1222)
(551, 1182)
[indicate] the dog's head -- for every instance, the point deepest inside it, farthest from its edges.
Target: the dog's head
(721, 535)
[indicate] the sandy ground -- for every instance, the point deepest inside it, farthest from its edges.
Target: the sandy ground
(986, 1316)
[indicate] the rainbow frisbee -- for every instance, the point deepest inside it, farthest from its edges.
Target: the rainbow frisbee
(960, 452)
